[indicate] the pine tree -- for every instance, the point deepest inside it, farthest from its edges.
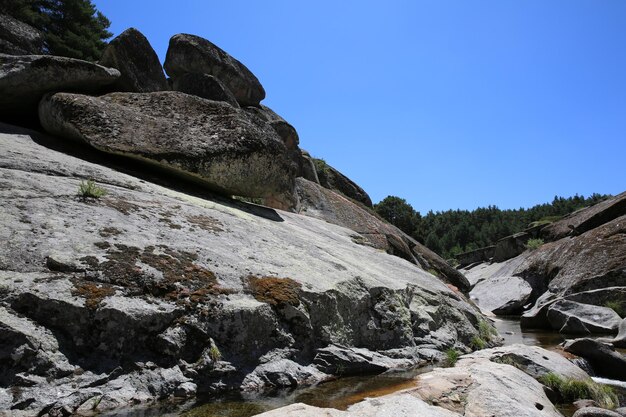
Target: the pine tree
(72, 28)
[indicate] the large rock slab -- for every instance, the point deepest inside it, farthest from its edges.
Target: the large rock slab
(322, 203)
(148, 289)
(25, 79)
(18, 38)
(533, 360)
(139, 66)
(603, 359)
(193, 54)
(213, 142)
(595, 318)
(593, 260)
(477, 387)
(586, 219)
(502, 295)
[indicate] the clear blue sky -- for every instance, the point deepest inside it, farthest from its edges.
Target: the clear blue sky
(448, 104)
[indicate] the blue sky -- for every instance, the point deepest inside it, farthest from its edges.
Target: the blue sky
(448, 104)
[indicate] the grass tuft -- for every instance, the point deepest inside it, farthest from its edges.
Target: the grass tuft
(580, 389)
(533, 244)
(452, 356)
(89, 189)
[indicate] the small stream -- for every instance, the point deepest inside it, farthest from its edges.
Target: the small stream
(342, 393)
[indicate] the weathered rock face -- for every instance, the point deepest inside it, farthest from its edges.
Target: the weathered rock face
(595, 412)
(131, 54)
(586, 219)
(25, 79)
(603, 359)
(332, 179)
(225, 147)
(319, 202)
(286, 131)
(595, 319)
(153, 293)
(18, 38)
(502, 295)
(596, 259)
(204, 86)
(193, 54)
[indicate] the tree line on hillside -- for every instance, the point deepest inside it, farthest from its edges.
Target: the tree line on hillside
(72, 28)
(451, 232)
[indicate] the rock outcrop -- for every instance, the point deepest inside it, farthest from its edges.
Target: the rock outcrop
(139, 66)
(211, 141)
(18, 38)
(322, 203)
(25, 79)
(193, 54)
(147, 292)
(573, 279)
(334, 180)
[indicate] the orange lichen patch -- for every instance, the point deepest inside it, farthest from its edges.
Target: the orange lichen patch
(93, 293)
(182, 280)
(275, 291)
(206, 223)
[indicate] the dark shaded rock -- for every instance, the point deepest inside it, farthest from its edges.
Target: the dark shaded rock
(18, 38)
(595, 412)
(286, 131)
(25, 79)
(502, 295)
(307, 167)
(131, 54)
(510, 246)
(332, 179)
(474, 256)
(573, 325)
(603, 359)
(204, 86)
(595, 318)
(211, 141)
(317, 201)
(586, 219)
(190, 53)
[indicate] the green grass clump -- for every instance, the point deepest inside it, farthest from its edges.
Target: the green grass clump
(452, 355)
(572, 390)
(89, 189)
(486, 331)
(214, 353)
(533, 244)
(478, 343)
(617, 306)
